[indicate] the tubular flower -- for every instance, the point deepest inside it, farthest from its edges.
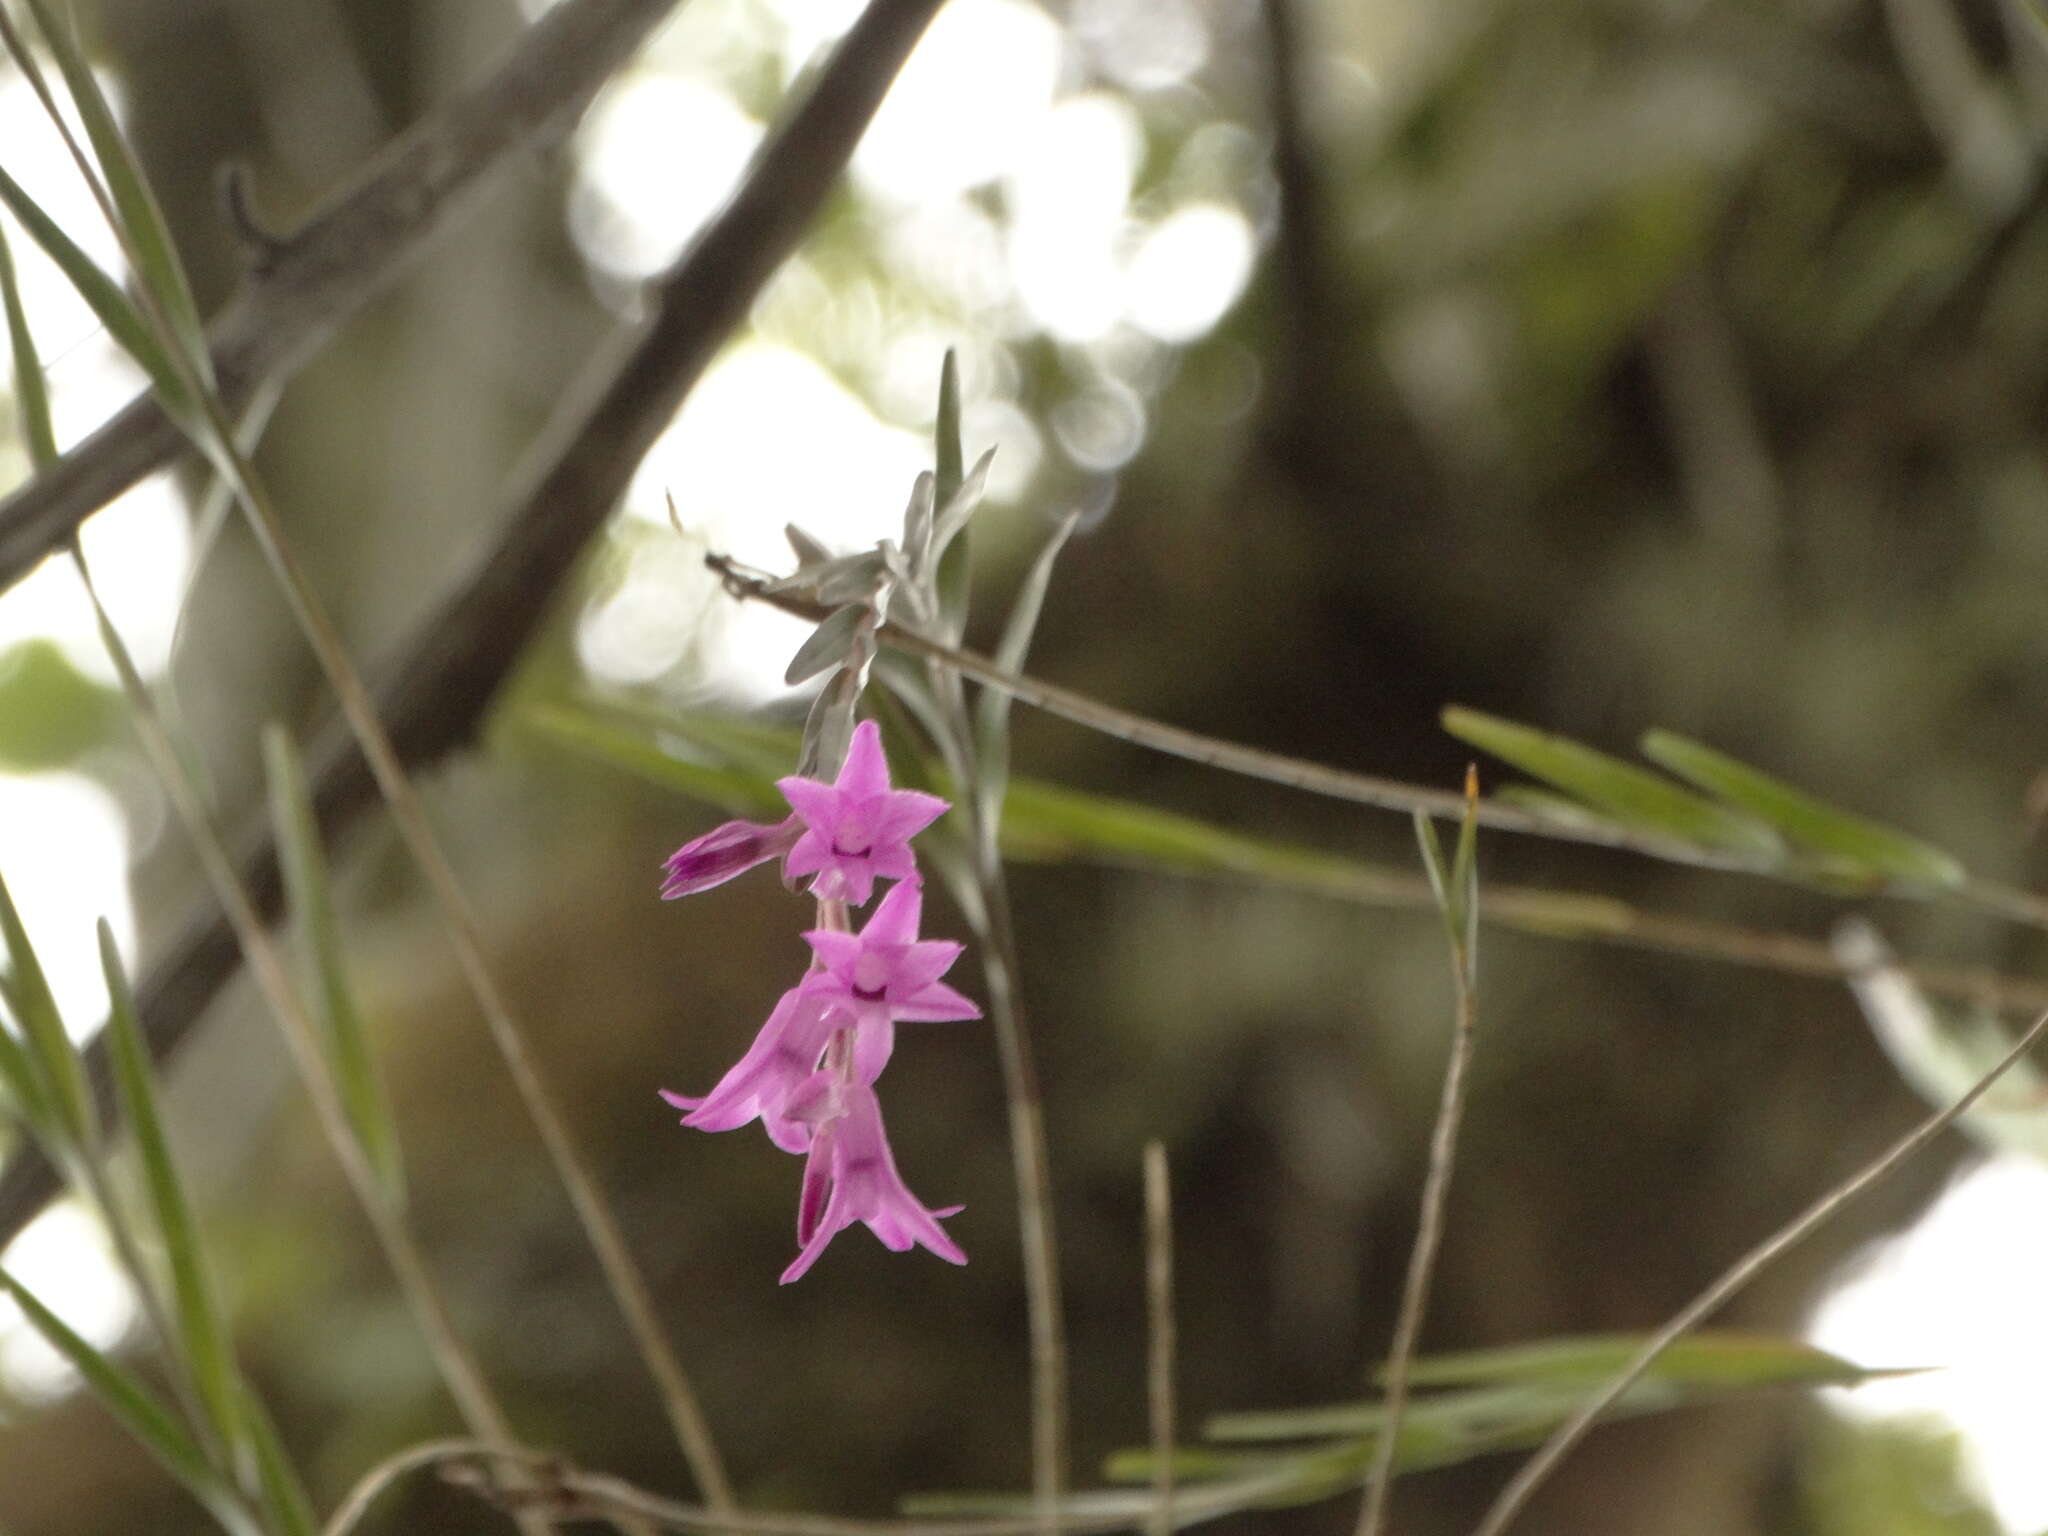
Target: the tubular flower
(780, 1062)
(851, 1176)
(885, 973)
(726, 851)
(856, 829)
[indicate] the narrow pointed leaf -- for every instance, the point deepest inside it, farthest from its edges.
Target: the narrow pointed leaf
(31, 398)
(18, 1075)
(283, 1492)
(1631, 795)
(139, 1411)
(1714, 1358)
(826, 646)
(51, 1054)
(114, 309)
(149, 236)
(992, 708)
(202, 1340)
(322, 965)
(1807, 821)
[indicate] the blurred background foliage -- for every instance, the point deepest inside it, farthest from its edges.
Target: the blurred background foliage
(1601, 363)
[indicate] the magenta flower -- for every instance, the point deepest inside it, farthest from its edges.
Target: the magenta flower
(851, 1176)
(885, 973)
(726, 851)
(780, 1062)
(856, 828)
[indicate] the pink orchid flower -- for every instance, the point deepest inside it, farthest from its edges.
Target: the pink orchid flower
(851, 1176)
(777, 1065)
(885, 973)
(856, 828)
(726, 851)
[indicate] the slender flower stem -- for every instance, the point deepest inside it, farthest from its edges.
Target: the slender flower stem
(1443, 1149)
(1515, 1497)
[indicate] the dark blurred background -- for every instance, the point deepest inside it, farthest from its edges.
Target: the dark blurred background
(1600, 363)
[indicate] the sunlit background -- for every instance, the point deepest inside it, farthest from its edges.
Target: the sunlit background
(1013, 209)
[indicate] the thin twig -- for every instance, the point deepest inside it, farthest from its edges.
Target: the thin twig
(1515, 1497)
(1320, 779)
(359, 242)
(1161, 1342)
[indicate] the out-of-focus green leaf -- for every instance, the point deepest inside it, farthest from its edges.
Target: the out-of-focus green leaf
(1630, 795)
(283, 1493)
(202, 1341)
(323, 966)
(1865, 845)
(149, 236)
(1701, 1359)
(51, 714)
(51, 1054)
(134, 1405)
(18, 1074)
(949, 470)
(1943, 1053)
(114, 309)
(31, 398)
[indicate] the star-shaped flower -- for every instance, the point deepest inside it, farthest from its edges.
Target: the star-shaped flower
(885, 973)
(851, 1176)
(726, 851)
(856, 829)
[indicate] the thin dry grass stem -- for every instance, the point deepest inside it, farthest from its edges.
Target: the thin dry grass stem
(465, 1381)
(1161, 1334)
(1030, 1161)
(538, 1479)
(621, 1272)
(1457, 897)
(1515, 1497)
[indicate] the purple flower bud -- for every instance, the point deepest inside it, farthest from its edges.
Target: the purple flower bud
(724, 852)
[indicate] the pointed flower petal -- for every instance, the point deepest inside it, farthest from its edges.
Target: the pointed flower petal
(856, 829)
(851, 1176)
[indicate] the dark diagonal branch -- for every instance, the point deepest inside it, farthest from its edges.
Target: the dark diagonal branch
(306, 284)
(437, 695)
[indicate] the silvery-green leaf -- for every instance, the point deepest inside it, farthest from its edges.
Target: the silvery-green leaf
(826, 646)
(917, 524)
(849, 578)
(828, 729)
(809, 551)
(992, 709)
(954, 515)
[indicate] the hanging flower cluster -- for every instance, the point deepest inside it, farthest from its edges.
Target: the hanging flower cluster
(809, 1075)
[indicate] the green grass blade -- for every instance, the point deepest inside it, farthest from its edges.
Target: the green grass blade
(322, 964)
(1868, 846)
(1725, 1359)
(283, 1492)
(992, 708)
(139, 1411)
(31, 397)
(114, 309)
(202, 1341)
(149, 236)
(19, 1077)
(1630, 795)
(51, 1055)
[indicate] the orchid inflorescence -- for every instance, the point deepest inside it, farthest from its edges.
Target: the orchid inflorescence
(809, 1075)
